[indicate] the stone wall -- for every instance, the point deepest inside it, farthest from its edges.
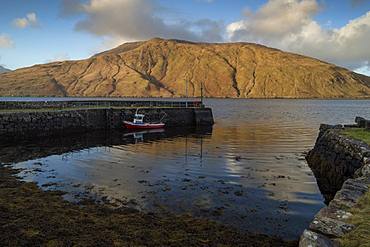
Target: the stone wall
(334, 159)
(363, 123)
(46, 122)
(342, 168)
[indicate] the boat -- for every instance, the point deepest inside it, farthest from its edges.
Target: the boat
(138, 123)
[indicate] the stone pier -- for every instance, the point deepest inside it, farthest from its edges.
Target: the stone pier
(43, 122)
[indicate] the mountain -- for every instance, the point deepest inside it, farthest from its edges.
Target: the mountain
(3, 70)
(159, 67)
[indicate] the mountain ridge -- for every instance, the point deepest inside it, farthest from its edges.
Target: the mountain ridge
(159, 68)
(3, 69)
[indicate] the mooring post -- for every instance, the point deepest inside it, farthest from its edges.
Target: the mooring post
(186, 93)
(201, 93)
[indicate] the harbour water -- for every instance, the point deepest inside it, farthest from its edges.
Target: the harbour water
(248, 172)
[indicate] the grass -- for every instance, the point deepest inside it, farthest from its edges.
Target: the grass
(358, 133)
(360, 236)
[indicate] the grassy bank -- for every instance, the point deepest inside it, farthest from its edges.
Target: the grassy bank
(358, 133)
(32, 217)
(360, 236)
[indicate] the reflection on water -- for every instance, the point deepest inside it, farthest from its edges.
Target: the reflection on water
(249, 171)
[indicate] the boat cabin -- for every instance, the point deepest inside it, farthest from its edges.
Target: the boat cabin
(139, 118)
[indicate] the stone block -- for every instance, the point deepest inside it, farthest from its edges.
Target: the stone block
(203, 116)
(330, 227)
(367, 125)
(360, 122)
(313, 239)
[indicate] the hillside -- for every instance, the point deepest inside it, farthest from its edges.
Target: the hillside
(160, 68)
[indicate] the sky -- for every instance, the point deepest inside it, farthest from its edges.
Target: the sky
(41, 31)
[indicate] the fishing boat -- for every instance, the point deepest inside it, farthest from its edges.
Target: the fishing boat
(138, 123)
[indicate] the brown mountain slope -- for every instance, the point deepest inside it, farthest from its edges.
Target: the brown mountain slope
(160, 68)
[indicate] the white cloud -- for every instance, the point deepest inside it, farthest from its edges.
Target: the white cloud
(137, 20)
(364, 69)
(29, 20)
(285, 24)
(289, 25)
(274, 20)
(6, 41)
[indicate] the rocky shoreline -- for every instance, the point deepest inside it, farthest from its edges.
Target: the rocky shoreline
(342, 168)
(33, 217)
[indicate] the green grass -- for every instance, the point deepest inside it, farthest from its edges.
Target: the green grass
(358, 133)
(360, 236)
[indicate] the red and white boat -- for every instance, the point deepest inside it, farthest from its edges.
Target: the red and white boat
(138, 123)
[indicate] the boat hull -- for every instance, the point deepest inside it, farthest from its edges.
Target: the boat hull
(131, 125)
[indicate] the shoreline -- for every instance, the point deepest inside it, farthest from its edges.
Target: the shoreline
(341, 166)
(33, 216)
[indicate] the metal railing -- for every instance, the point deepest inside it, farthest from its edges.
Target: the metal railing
(8, 105)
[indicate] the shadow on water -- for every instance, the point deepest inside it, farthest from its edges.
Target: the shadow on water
(31, 147)
(328, 185)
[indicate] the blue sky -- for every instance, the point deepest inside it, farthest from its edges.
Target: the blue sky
(40, 31)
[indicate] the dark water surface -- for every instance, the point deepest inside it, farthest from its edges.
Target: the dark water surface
(248, 172)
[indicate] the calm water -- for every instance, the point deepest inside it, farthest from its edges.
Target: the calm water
(248, 172)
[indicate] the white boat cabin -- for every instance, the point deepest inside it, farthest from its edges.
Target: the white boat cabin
(139, 118)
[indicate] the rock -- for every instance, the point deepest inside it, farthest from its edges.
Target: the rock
(365, 170)
(334, 213)
(218, 211)
(238, 193)
(350, 193)
(330, 227)
(360, 122)
(313, 239)
(341, 170)
(49, 184)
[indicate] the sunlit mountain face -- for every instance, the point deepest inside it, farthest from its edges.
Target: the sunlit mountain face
(174, 68)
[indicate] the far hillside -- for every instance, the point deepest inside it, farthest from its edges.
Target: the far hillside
(160, 68)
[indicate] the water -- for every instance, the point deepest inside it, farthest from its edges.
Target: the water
(248, 171)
